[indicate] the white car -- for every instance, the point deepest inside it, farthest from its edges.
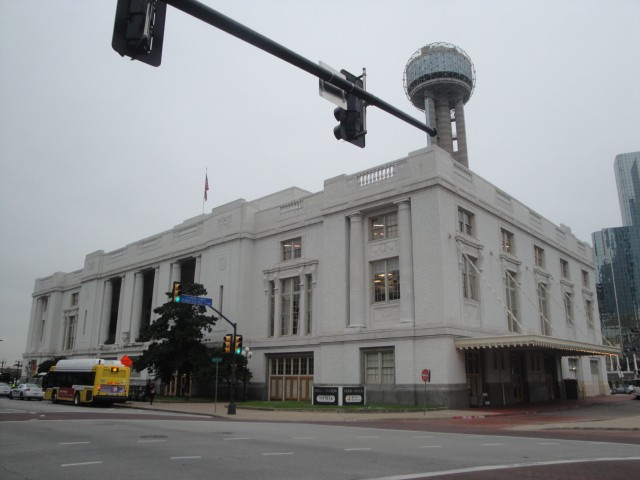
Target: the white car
(4, 389)
(28, 391)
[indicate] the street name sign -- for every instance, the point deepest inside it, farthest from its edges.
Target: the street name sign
(193, 300)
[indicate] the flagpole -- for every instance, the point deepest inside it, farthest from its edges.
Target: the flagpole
(206, 187)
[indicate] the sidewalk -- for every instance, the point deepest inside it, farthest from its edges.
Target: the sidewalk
(585, 421)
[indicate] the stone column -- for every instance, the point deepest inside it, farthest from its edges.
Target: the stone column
(407, 302)
(103, 334)
(461, 134)
(198, 269)
(443, 116)
(154, 295)
(136, 308)
(121, 315)
(357, 281)
(277, 307)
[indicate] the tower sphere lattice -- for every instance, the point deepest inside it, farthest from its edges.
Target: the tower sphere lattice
(439, 70)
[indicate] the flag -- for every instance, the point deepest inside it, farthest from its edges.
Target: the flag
(206, 186)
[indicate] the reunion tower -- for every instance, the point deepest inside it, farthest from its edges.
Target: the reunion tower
(439, 79)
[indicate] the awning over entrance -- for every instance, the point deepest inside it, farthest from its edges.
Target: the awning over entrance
(535, 342)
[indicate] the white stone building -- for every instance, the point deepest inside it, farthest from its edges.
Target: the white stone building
(416, 264)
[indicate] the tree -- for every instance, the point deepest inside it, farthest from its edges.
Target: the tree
(176, 338)
(243, 374)
(46, 365)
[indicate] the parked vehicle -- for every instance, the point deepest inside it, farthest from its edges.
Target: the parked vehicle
(26, 391)
(4, 389)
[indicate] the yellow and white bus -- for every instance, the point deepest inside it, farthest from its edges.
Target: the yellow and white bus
(87, 381)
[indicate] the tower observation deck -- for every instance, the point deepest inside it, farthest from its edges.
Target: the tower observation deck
(439, 79)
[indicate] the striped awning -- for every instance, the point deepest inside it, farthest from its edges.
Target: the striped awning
(535, 342)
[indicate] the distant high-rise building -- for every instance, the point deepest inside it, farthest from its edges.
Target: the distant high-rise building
(617, 259)
(626, 168)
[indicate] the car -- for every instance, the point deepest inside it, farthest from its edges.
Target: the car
(615, 390)
(28, 391)
(4, 389)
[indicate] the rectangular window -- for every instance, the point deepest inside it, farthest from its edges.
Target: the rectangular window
(469, 278)
(379, 367)
(588, 308)
(538, 256)
(543, 307)
(564, 268)
(568, 307)
(290, 313)
(71, 333)
(595, 367)
(386, 280)
(506, 241)
(511, 294)
(465, 221)
(309, 304)
(272, 308)
(74, 299)
(573, 364)
(291, 248)
(383, 226)
(585, 278)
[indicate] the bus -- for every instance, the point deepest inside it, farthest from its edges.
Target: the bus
(85, 381)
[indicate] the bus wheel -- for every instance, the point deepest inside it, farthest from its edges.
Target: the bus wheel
(54, 397)
(76, 399)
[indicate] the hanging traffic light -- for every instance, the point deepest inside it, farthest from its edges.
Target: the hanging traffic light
(176, 292)
(138, 30)
(227, 343)
(238, 345)
(352, 120)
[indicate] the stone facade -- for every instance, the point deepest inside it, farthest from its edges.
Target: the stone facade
(380, 275)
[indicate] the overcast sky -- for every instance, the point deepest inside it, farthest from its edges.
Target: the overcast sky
(98, 151)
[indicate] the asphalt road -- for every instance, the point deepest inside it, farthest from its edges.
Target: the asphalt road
(41, 440)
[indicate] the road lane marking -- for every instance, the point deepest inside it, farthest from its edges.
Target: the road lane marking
(73, 443)
(305, 438)
(266, 454)
(236, 438)
(430, 446)
(192, 457)
(357, 449)
(492, 444)
(486, 468)
(79, 464)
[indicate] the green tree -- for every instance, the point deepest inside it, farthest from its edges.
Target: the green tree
(47, 364)
(243, 374)
(176, 338)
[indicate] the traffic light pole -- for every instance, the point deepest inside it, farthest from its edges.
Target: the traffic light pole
(226, 24)
(231, 408)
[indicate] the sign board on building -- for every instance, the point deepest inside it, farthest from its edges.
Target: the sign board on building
(353, 396)
(426, 375)
(325, 395)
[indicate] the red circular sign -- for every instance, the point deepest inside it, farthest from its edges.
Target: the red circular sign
(426, 375)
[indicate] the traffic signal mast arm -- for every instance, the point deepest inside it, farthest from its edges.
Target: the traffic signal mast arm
(226, 24)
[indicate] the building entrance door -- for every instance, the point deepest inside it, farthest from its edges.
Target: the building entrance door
(291, 378)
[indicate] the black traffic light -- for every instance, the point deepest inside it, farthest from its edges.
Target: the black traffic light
(227, 343)
(238, 345)
(138, 30)
(176, 292)
(352, 120)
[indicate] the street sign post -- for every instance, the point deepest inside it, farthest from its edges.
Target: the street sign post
(426, 377)
(193, 300)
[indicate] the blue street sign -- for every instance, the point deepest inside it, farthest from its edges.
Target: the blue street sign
(193, 300)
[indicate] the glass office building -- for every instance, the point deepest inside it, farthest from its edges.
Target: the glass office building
(617, 259)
